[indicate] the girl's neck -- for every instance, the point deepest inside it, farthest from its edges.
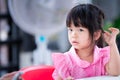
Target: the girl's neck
(86, 54)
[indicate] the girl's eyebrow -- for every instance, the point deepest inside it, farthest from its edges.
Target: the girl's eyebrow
(81, 27)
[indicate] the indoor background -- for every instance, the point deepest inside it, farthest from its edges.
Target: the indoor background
(17, 46)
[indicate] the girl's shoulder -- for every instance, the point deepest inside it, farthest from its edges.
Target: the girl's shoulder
(105, 50)
(102, 53)
(60, 59)
(62, 64)
(58, 56)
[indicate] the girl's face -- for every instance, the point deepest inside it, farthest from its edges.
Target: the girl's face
(79, 37)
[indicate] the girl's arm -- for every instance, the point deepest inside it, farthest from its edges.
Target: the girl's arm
(59, 78)
(68, 78)
(113, 66)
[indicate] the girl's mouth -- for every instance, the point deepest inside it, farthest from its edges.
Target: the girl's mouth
(74, 42)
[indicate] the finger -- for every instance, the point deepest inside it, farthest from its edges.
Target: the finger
(112, 28)
(106, 33)
(115, 30)
(70, 78)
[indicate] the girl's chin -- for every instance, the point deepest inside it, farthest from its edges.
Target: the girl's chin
(76, 47)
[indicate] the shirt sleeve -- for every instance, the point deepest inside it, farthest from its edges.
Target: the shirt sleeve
(61, 66)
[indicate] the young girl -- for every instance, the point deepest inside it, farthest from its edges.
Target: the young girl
(87, 56)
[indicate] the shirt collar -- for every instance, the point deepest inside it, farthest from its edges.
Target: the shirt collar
(83, 63)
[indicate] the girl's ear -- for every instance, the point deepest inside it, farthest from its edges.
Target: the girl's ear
(97, 34)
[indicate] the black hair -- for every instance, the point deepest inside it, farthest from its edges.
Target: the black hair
(89, 16)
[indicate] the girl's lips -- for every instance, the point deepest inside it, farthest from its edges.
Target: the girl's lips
(74, 42)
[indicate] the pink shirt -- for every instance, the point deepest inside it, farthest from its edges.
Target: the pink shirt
(69, 64)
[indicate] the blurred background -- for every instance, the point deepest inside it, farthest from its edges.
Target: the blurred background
(29, 28)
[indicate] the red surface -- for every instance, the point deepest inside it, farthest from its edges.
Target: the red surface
(38, 73)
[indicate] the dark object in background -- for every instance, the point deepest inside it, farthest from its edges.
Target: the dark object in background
(116, 24)
(28, 42)
(53, 45)
(118, 43)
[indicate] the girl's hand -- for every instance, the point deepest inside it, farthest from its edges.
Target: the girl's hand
(69, 78)
(110, 37)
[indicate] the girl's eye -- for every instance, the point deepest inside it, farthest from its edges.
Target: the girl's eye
(70, 29)
(81, 30)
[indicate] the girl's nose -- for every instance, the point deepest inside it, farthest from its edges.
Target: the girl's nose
(74, 34)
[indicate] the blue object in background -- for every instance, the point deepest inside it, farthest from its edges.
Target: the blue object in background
(42, 39)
